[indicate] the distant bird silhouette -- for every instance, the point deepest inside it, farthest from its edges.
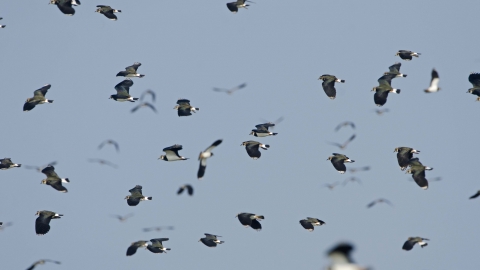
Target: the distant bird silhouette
(108, 12)
(158, 228)
(475, 195)
(123, 91)
(381, 200)
(148, 92)
(231, 90)
(234, 6)
(407, 55)
(361, 169)
(112, 142)
(410, 243)
(131, 71)
(187, 187)
(352, 179)
(171, 153)
(123, 218)
(404, 154)
(4, 225)
(102, 162)
(2, 26)
(203, 158)
(381, 111)
(143, 105)
(41, 262)
(65, 6)
(331, 186)
(344, 145)
(344, 124)
(262, 130)
(418, 172)
(433, 83)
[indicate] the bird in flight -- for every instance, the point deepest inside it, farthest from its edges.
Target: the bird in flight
(41, 262)
(123, 218)
(433, 83)
(203, 158)
(344, 145)
(407, 55)
(381, 200)
(108, 12)
(344, 124)
(102, 162)
(112, 142)
(143, 105)
(231, 90)
(234, 6)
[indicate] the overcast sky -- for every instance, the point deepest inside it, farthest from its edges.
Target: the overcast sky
(279, 48)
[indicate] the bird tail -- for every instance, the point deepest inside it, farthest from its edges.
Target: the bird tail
(259, 217)
(169, 249)
(396, 91)
(340, 81)
(265, 146)
(135, 98)
(118, 10)
(221, 242)
(428, 168)
(65, 180)
(274, 134)
(141, 75)
(50, 101)
(148, 198)
(403, 75)
(197, 109)
(18, 165)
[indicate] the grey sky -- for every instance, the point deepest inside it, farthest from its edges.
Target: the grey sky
(279, 48)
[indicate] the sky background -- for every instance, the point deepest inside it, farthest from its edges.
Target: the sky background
(279, 48)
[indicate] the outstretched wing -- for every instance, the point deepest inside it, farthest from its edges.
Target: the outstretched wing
(49, 171)
(42, 91)
(123, 87)
(474, 79)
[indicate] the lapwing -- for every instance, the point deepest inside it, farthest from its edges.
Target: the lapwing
(352, 179)
(381, 200)
(433, 83)
(395, 70)
(158, 228)
(132, 249)
(262, 130)
(345, 124)
(187, 187)
(53, 180)
(65, 6)
(42, 262)
(171, 153)
(38, 98)
(112, 142)
(42, 222)
(411, 241)
(102, 162)
(157, 246)
(361, 169)
(2, 26)
(338, 161)
(6, 163)
(418, 172)
(184, 108)
(108, 12)
(203, 158)
(404, 154)
(475, 195)
(231, 90)
(144, 105)
(234, 6)
(136, 196)
(328, 85)
(310, 222)
(148, 92)
(250, 220)
(344, 145)
(331, 186)
(474, 79)
(253, 147)
(131, 71)
(382, 90)
(341, 259)
(123, 91)
(123, 218)
(407, 55)
(210, 240)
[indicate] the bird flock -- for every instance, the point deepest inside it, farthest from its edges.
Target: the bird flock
(340, 253)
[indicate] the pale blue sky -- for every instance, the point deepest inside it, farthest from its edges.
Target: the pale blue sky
(279, 48)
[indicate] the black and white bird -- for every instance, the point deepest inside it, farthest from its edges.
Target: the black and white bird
(411, 241)
(123, 91)
(131, 71)
(310, 222)
(234, 6)
(404, 154)
(108, 12)
(42, 223)
(6, 163)
(231, 90)
(341, 258)
(136, 196)
(344, 145)
(253, 147)
(345, 124)
(187, 187)
(328, 85)
(338, 161)
(418, 172)
(42, 262)
(384, 87)
(433, 83)
(381, 200)
(38, 98)
(144, 105)
(53, 180)
(2, 25)
(132, 249)
(157, 246)
(111, 142)
(211, 240)
(250, 220)
(262, 130)
(474, 79)
(123, 218)
(171, 153)
(65, 6)
(184, 108)
(407, 55)
(395, 70)
(203, 158)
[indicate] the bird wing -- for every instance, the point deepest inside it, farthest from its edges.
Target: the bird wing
(190, 190)
(148, 92)
(133, 68)
(474, 79)
(408, 245)
(180, 190)
(202, 168)
(183, 102)
(380, 97)
(57, 184)
(386, 80)
(475, 195)
(419, 177)
(232, 7)
(136, 191)
(175, 148)
(42, 91)
(306, 224)
(123, 87)
(371, 204)
(211, 236)
(435, 79)
(253, 149)
(215, 144)
(265, 126)
(395, 68)
(49, 171)
(329, 87)
(349, 140)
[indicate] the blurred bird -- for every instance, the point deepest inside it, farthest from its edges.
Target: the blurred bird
(4, 225)
(341, 259)
(273, 123)
(344, 124)
(65, 6)
(231, 90)
(395, 70)
(361, 169)
(171, 153)
(112, 142)
(158, 228)
(54, 180)
(250, 220)
(108, 12)
(187, 187)
(102, 162)
(433, 83)
(331, 186)
(123, 218)
(381, 200)
(384, 87)
(352, 179)
(338, 161)
(262, 130)
(157, 245)
(309, 223)
(404, 154)
(136, 196)
(143, 105)
(344, 145)
(410, 243)
(184, 108)
(38, 98)
(39, 169)
(407, 55)
(234, 6)
(252, 148)
(2, 26)
(418, 172)
(148, 92)
(6, 163)
(131, 71)
(210, 240)
(132, 249)
(123, 91)
(328, 85)
(474, 79)
(203, 158)
(41, 262)
(42, 223)
(381, 111)
(475, 195)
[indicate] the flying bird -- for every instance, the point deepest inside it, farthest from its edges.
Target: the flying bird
(309, 223)
(41, 262)
(474, 79)
(158, 228)
(171, 153)
(210, 240)
(361, 169)
(184, 108)
(111, 142)
(2, 26)
(132, 249)
(344, 124)
(475, 195)
(328, 85)
(4, 225)
(338, 162)
(250, 220)
(231, 90)
(143, 105)
(418, 172)
(203, 158)
(352, 179)
(344, 145)
(136, 196)
(253, 147)
(65, 6)
(407, 55)
(410, 243)
(395, 70)
(234, 6)
(433, 83)
(157, 246)
(38, 98)
(123, 218)
(382, 90)
(187, 187)
(381, 200)
(123, 91)
(148, 92)
(42, 223)
(331, 186)
(53, 180)
(6, 163)
(102, 162)
(108, 12)
(131, 71)
(341, 258)
(404, 154)
(262, 130)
